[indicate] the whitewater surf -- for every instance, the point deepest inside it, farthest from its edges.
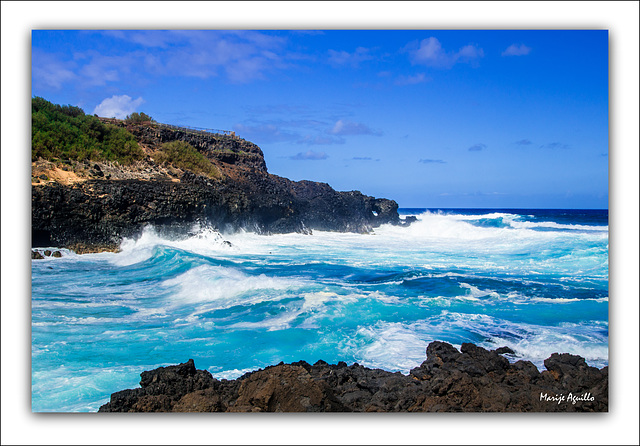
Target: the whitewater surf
(533, 280)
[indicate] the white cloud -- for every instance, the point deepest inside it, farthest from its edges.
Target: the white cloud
(263, 133)
(310, 155)
(337, 58)
(430, 52)
(352, 128)
(238, 56)
(468, 53)
(517, 50)
(117, 106)
(321, 140)
(50, 72)
(412, 80)
(242, 55)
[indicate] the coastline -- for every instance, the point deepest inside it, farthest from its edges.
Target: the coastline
(91, 206)
(470, 380)
(108, 204)
(214, 286)
(615, 428)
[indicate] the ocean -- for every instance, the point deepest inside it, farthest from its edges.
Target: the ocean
(533, 280)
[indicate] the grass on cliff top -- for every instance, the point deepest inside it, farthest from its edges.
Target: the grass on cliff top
(66, 132)
(185, 156)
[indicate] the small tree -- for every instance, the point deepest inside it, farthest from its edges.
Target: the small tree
(136, 118)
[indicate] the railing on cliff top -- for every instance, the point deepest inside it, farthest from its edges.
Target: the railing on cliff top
(198, 129)
(185, 128)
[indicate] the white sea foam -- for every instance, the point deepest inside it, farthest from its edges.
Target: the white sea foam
(561, 300)
(476, 293)
(536, 342)
(223, 287)
(435, 237)
(232, 373)
(554, 225)
(452, 227)
(68, 389)
(401, 346)
(200, 239)
(390, 346)
(312, 308)
(205, 296)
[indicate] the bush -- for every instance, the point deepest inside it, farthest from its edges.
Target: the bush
(65, 132)
(137, 118)
(185, 156)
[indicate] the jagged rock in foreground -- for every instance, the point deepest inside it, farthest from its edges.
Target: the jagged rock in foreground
(470, 380)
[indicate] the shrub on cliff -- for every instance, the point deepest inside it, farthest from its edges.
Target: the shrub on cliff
(137, 118)
(66, 132)
(185, 156)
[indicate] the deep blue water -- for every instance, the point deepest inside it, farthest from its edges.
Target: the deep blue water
(534, 280)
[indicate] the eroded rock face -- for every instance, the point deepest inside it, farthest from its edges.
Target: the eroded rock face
(471, 380)
(99, 213)
(107, 204)
(223, 148)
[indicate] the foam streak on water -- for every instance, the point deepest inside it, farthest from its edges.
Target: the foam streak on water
(536, 281)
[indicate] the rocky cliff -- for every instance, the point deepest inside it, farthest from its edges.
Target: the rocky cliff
(91, 206)
(470, 380)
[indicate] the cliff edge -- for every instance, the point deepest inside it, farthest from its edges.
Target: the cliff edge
(92, 205)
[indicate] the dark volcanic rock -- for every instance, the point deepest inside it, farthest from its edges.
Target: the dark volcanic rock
(101, 212)
(224, 148)
(98, 213)
(471, 380)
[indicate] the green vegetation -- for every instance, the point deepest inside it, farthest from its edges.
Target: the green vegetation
(185, 156)
(137, 118)
(65, 132)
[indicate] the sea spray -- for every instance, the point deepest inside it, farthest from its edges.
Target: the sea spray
(536, 281)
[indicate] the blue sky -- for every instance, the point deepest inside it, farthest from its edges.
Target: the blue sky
(515, 119)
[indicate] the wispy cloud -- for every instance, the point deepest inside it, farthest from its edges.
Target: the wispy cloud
(343, 127)
(309, 155)
(242, 56)
(157, 39)
(555, 145)
(364, 158)
(517, 50)
(431, 161)
(412, 80)
(341, 58)
(48, 71)
(477, 147)
(523, 142)
(430, 52)
(99, 69)
(238, 56)
(264, 133)
(118, 106)
(320, 140)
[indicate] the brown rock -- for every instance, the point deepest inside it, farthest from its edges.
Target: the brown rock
(474, 380)
(283, 388)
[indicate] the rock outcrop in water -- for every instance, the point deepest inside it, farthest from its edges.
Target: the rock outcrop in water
(93, 206)
(471, 380)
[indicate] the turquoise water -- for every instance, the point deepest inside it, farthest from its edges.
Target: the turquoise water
(536, 281)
